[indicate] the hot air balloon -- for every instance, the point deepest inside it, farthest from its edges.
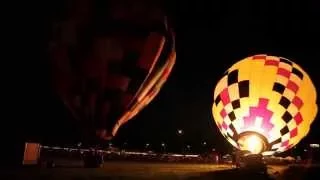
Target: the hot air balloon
(109, 61)
(264, 104)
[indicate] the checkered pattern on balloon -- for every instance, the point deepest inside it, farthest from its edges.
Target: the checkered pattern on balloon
(266, 95)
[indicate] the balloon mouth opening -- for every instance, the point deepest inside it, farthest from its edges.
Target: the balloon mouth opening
(103, 134)
(253, 142)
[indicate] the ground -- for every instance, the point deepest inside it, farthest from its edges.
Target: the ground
(147, 170)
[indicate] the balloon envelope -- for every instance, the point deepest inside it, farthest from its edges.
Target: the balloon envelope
(109, 62)
(264, 104)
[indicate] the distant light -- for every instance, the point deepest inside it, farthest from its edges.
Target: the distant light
(180, 131)
(192, 155)
(314, 145)
(137, 153)
(177, 155)
(147, 145)
(204, 143)
(163, 144)
(55, 147)
(305, 150)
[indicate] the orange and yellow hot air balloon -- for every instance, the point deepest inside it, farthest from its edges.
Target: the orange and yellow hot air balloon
(264, 104)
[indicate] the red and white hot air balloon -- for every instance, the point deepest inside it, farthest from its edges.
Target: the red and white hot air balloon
(109, 62)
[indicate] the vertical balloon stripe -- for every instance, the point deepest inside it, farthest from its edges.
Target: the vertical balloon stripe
(151, 52)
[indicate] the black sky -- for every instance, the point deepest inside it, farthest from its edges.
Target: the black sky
(210, 37)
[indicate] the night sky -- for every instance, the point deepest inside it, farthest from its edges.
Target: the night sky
(210, 37)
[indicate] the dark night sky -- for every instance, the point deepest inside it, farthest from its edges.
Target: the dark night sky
(210, 37)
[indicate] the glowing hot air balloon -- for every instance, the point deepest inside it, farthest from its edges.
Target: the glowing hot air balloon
(264, 104)
(109, 60)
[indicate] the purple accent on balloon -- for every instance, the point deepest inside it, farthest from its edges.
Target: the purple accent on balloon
(223, 113)
(262, 112)
(285, 143)
(224, 126)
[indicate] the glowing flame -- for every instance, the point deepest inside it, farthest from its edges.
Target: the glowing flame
(252, 143)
